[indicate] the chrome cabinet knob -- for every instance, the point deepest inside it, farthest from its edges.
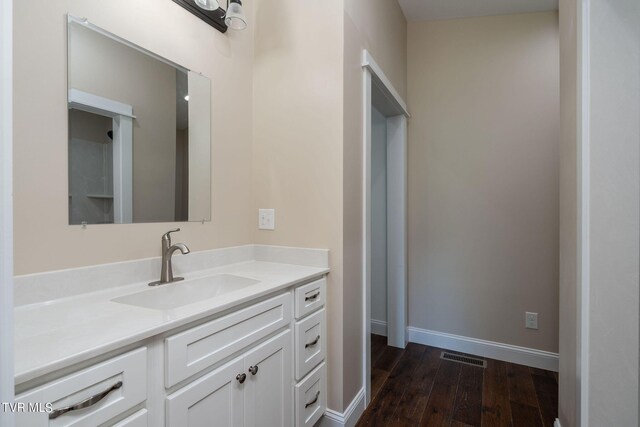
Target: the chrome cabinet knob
(253, 369)
(241, 377)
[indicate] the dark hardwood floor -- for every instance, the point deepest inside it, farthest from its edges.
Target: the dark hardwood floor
(414, 387)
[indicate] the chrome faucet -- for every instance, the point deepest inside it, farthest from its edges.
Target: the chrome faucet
(166, 272)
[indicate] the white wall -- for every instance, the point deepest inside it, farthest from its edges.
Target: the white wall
(90, 167)
(378, 216)
(613, 212)
(6, 222)
(483, 177)
(600, 213)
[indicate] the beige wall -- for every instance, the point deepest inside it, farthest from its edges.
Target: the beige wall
(378, 26)
(614, 212)
(483, 177)
(102, 66)
(382, 29)
(297, 127)
(308, 145)
(43, 240)
(568, 328)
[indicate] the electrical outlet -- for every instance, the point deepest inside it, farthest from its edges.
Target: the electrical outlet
(267, 219)
(531, 320)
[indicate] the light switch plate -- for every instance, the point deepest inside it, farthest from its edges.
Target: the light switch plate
(266, 219)
(531, 320)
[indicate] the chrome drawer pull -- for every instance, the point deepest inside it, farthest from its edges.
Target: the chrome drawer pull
(313, 401)
(312, 343)
(85, 403)
(312, 297)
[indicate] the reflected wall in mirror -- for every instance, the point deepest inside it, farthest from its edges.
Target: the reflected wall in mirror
(139, 133)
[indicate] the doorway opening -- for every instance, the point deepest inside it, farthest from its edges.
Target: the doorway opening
(384, 213)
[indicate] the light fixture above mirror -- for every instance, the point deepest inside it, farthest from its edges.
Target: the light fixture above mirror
(235, 18)
(208, 4)
(211, 12)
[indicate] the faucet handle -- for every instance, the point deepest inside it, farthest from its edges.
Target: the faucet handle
(167, 235)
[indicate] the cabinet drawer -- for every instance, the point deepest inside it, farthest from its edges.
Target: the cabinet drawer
(311, 397)
(311, 343)
(191, 351)
(121, 382)
(139, 419)
(310, 297)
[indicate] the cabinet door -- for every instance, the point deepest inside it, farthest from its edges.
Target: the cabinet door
(216, 399)
(269, 386)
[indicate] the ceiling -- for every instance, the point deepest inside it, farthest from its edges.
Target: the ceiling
(433, 10)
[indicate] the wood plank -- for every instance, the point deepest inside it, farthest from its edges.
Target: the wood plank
(398, 382)
(542, 372)
(378, 344)
(386, 401)
(496, 410)
(547, 393)
(388, 359)
(378, 377)
(468, 403)
(525, 415)
(439, 408)
(521, 387)
(416, 396)
(418, 388)
(381, 370)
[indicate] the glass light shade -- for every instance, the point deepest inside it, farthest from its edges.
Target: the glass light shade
(235, 18)
(208, 4)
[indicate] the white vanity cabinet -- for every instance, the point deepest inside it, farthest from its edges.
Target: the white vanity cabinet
(277, 382)
(253, 389)
(259, 365)
(310, 351)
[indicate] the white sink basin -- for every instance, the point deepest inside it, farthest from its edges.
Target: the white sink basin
(174, 295)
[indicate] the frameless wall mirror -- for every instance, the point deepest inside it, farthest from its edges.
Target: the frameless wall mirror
(139, 133)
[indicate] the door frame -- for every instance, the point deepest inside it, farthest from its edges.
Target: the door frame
(6, 210)
(122, 116)
(396, 217)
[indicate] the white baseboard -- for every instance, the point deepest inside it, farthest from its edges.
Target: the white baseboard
(378, 327)
(494, 350)
(556, 423)
(349, 417)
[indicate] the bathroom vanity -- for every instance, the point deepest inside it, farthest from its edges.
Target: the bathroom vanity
(240, 342)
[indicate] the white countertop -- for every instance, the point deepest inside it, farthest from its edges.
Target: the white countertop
(57, 334)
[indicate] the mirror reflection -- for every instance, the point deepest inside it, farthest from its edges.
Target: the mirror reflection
(139, 133)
